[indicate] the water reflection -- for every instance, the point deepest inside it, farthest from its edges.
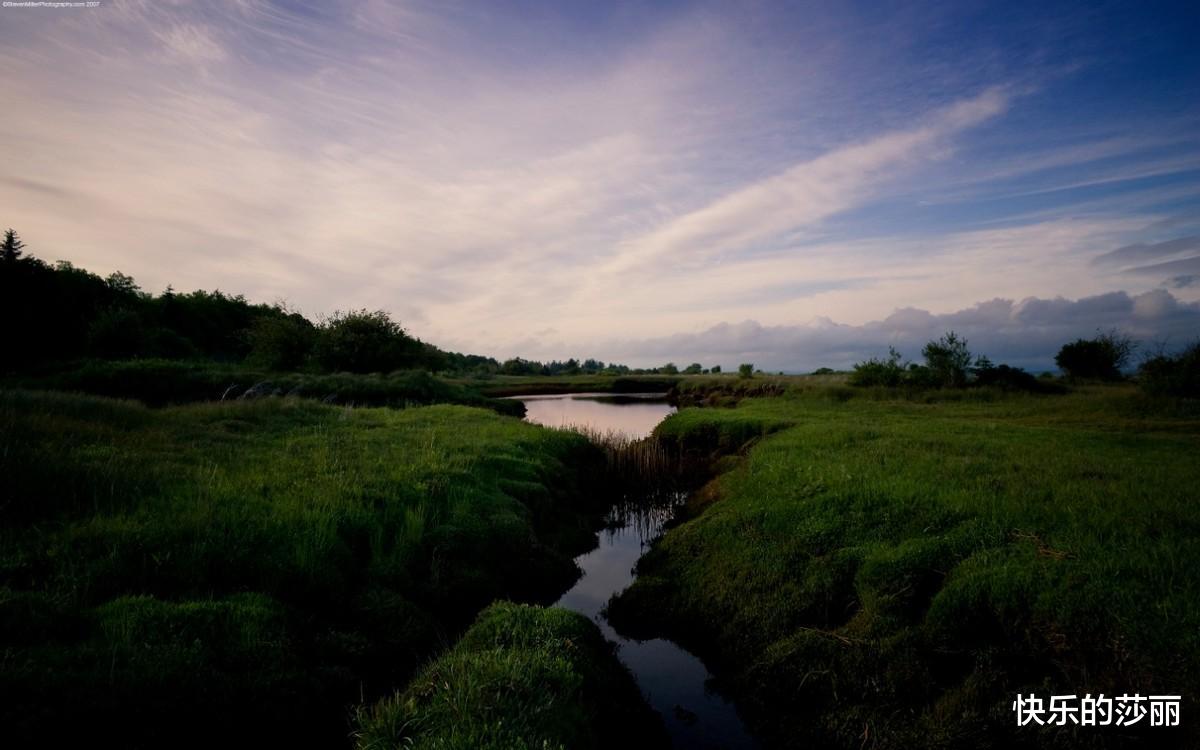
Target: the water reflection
(632, 414)
(675, 682)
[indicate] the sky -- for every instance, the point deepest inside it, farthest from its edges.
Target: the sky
(795, 185)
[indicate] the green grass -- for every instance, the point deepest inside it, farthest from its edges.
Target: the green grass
(252, 569)
(159, 382)
(521, 677)
(886, 572)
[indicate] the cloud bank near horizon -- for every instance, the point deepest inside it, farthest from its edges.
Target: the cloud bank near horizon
(1025, 333)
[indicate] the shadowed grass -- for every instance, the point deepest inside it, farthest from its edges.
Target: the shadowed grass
(521, 677)
(159, 382)
(250, 569)
(890, 573)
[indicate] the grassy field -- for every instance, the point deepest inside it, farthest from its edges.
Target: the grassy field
(161, 382)
(521, 677)
(247, 572)
(883, 571)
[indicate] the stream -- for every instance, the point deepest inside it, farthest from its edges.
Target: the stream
(674, 682)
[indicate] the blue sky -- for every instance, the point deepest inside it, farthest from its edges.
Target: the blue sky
(794, 184)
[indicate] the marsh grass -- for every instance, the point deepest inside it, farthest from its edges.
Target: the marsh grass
(251, 568)
(520, 677)
(892, 571)
(161, 382)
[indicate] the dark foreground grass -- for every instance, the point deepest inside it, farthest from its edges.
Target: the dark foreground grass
(521, 677)
(161, 382)
(243, 573)
(888, 573)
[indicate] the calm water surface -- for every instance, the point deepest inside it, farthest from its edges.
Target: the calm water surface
(675, 682)
(634, 414)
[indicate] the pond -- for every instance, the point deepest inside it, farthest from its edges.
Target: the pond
(633, 414)
(675, 682)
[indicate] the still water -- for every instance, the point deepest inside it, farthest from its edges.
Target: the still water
(675, 682)
(634, 414)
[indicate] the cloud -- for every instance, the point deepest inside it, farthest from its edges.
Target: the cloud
(192, 43)
(1183, 265)
(1141, 252)
(802, 194)
(1025, 333)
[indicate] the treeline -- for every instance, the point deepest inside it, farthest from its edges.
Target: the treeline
(519, 366)
(58, 312)
(948, 363)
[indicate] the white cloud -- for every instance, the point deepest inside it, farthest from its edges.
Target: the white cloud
(801, 195)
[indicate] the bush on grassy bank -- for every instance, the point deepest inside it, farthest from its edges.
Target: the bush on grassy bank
(249, 569)
(520, 677)
(899, 571)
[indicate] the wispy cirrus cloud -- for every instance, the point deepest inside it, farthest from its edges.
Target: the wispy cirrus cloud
(802, 194)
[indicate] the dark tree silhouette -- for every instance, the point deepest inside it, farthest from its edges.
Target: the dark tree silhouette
(948, 360)
(1102, 357)
(12, 247)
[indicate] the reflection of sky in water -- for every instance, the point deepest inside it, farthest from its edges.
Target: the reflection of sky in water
(674, 682)
(635, 416)
(669, 677)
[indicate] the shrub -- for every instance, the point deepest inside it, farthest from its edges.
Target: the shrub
(1173, 375)
(745, 370)
(716, 370)
(875, 371)
(280, 342)
(1014, 379)
(362, 341)
(117, 333)
(1100, 358)
(948, 360)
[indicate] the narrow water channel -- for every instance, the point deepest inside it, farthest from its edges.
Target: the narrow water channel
(674, 681)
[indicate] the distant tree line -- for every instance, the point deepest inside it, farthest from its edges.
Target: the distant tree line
(519, 366)
(1106, 357)
(54, 313)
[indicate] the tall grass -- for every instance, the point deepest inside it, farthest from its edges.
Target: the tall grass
(158, 382)
(894, 571)
(183, 575)
(521, 677)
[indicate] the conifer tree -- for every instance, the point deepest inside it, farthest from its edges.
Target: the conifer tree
(10, 251)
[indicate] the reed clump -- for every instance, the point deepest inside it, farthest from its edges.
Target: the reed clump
(645, 468)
